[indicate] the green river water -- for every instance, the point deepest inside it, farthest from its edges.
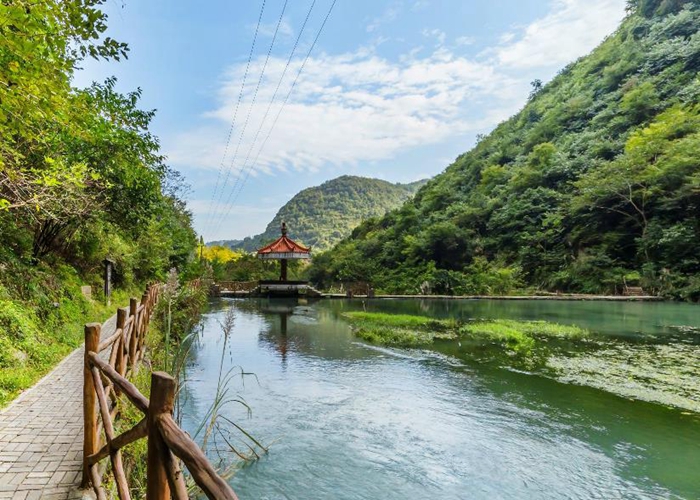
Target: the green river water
(616, 417)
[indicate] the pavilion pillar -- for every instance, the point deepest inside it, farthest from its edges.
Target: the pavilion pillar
(283, 275)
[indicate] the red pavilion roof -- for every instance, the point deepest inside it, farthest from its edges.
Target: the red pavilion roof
(284, 248)
(283, 244)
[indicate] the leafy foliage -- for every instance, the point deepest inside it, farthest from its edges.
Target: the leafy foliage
(81, 179)
(592, 186)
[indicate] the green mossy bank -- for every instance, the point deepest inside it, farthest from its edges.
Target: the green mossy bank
(403, 330)
(33, 340)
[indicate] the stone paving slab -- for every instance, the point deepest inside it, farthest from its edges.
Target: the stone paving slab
(41, 434)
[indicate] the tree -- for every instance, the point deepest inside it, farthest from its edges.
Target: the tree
(537, 86)
(41, 44)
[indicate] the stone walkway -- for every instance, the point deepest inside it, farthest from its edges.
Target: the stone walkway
(41, 435)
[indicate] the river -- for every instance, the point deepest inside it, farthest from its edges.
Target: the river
(345, 420)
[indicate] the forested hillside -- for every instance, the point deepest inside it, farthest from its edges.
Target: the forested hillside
(594, 184)
(81, 180)
(321, 216)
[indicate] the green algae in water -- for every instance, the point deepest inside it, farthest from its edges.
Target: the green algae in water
(657, 373)
(521, 336)
(663, 373)
(404, 330)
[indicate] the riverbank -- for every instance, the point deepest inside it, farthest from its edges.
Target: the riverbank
(32, 343)
(571, 296)
(243, 294)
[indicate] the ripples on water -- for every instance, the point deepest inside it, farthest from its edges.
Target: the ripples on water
(350, 421)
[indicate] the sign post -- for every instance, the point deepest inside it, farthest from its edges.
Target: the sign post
(108, 280)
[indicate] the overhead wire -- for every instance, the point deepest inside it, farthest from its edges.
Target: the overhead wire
(252, 103)
(214, 202)
(274, 96)
(232, 198)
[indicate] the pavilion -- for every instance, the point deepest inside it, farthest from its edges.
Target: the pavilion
(283, 249)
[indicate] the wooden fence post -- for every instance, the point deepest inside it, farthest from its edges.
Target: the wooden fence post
(162, 401)
(146, 314)
(90, 437)
(120, 364)
(135, 331)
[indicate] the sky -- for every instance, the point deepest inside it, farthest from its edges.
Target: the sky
(392, 89)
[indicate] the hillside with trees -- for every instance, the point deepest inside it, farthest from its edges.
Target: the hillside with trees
(594, 185)
(321, 216)
(81, 180)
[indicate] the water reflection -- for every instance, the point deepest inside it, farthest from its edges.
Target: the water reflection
(275, 335)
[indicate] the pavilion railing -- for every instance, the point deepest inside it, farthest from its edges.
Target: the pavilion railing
(237, 286)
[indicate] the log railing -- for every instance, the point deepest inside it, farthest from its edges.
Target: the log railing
(237, 286)
(106, 380)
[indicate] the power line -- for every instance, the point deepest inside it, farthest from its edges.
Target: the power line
(233, 121)
(274, 123)
(272, 100)
(252, 103)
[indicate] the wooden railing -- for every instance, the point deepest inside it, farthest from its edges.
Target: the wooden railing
(352, 288)
(106, 380)
(237, 286)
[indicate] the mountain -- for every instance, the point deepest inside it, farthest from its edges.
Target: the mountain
(592, 187)
(321, 216)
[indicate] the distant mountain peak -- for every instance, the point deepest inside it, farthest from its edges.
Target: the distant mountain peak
(321, 216)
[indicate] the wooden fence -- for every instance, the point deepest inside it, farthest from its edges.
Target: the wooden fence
(237, 286)
(106, 380)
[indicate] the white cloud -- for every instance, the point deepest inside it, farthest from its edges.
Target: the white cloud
(438, 35)
(268, 30)
(465, 40)
(389, 15)
(357, 107)
(420, 5)
(570, 30)
(346, 109)
(507, 37)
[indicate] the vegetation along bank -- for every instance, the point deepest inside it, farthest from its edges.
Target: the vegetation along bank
(81, 179)
(593, 186)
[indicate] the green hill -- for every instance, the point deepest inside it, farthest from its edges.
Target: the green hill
(321, 216)
(593, 185)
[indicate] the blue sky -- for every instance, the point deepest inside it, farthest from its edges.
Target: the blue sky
(394, 89)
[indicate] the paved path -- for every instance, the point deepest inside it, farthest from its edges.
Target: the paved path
(41, 434)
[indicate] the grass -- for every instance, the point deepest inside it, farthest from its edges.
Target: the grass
(400, 320)
(400, 330)
(520, 336)
(31, 346)
(403, 330)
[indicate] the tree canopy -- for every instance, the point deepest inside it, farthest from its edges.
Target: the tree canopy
(81, 175)
(591, 187)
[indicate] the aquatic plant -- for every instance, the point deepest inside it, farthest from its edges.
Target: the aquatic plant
(224, 396)
(395, 337)
(404, 330)
(658, 373)
(400, 320)
(505, 334)
(400, 330)
(521, 336)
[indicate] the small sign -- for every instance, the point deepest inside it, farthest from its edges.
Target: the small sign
(108, 280)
